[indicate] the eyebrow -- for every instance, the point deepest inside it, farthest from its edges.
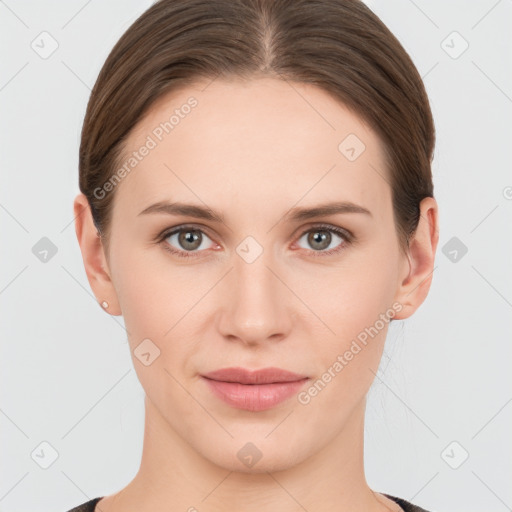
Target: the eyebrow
(294, 214)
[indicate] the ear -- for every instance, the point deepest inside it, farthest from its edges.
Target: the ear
(93, 255)
(417, 274)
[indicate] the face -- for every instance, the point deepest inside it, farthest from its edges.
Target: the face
(260, 283)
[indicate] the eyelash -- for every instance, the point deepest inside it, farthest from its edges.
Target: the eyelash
(346, 235)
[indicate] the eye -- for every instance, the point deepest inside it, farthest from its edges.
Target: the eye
(320, 238)
(187, 239)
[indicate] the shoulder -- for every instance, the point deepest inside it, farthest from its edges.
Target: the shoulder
(406, 505)
(87, 506)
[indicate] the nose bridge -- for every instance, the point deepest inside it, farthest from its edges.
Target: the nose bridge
(254, 307)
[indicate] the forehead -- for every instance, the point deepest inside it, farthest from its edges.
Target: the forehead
(227, 142)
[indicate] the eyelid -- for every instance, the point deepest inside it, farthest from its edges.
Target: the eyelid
(347, 234)
(200, 227)
(166, 233)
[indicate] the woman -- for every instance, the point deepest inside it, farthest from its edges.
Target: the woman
(257, 202)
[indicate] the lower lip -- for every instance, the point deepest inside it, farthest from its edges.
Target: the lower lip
(254, 397)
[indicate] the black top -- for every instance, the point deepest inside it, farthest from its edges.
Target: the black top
(408, 507)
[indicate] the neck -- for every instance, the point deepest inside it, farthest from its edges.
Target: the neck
(173, 475)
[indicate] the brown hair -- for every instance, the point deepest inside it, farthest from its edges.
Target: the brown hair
(340, 46)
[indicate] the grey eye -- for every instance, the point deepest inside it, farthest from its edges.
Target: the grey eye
(319, 239)
(188, 239)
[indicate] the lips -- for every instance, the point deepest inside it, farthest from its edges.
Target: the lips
(244, 376)
(254, 390)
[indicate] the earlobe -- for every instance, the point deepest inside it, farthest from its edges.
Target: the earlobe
(414, 287)
(93, 256)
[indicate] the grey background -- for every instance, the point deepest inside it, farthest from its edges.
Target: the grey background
(66, 373)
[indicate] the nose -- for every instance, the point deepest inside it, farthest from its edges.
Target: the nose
(255, 306)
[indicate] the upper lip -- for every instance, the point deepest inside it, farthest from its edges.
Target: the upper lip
(262, 376)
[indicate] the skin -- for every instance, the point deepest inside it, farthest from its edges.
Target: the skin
(251, 151)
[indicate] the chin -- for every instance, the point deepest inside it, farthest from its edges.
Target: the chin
(258, 457)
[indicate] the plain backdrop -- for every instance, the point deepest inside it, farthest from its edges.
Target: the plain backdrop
(439, 414)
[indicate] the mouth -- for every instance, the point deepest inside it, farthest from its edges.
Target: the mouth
(254, 390)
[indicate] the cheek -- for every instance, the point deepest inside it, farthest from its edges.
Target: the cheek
(351, 297)
(160, 301)
(354, 304)
(153, 291)
(154, 299)
(357, 306)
